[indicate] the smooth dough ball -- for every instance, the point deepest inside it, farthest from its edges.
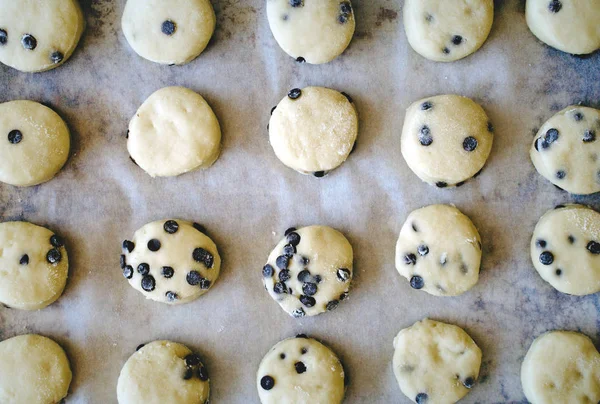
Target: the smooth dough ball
(34, 143)
(163, 372)
(309, 271)
(435, 363)
(172, 32)
(174, 131)
(445, 31)
(567, 25)
(313, 31)
(446, 139)
(565, 150)
(313, 130)
(33, 370)
(33, 266)
(561, 367)
(300, 370)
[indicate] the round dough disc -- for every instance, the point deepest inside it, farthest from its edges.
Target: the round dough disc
(566, 150)
(309, 271)
(567, 25)
(313, 130)
(171, 261)
(561, 367)
(34, 143)
(163, 372)
(313, 31)
(446, 140)
(449, 30)
(435, 362)
(300, 370)
(565, 249)
(33, 266)
(33, 370)
(39, 35)
(174, 131)
(172, 32)
(439, 251)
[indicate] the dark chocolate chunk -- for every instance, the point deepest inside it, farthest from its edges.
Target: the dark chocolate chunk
(202, 373)
(541, 243)
(143, 269)
(293, 238)
(289, 250)
(555, 6)
(154, 245)
(546, 258)
(307, 301)
(148, 283)
(469, 382)
(192, 360)
(167, 272)
(309, 288)
(204, 257)
(304, 276)
(267, 382)
(171, 296)
(457, 40)
(593, 247)
(425, 136)
(470, 143)
(295, 93)
(561, 174)
(343, 274)
(29, 42)
(24, 260)
(299, 59)
(199, 227)
(128, 245)
(421, 398)
(410, 259)
(332, 305)
(589, 136)
(298, 313)
(300, 367)
(3, 37)
(128, 272)
(123, 261)
(319, 174)
(578, 116)
(15, 136)
(57, 241)
(282, 262)
(423, 250)
(350, 100)
(193, 278)
(168, 27)
(171, 226)
(56, 57)
(416, 282)
(54, 256)
(284, 275)
(268, 271)
(297, 3)
(441, 184)
(426, 106)
(279, 288)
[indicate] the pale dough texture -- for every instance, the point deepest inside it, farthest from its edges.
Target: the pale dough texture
(439, 251)
(168, 31)
(448, 30)
(174, 131)
(309, 271)
(313, 31)
(33, 266)
(163, 372)
(567, 25)
(171, 261)
(313, 130)
(561, 367)
(34, 143)
(33, 370)
(566, 150)
(565, 249)
(446, 139)
(435, 363)
(300, 370)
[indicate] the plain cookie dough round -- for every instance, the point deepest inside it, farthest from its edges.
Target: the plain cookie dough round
(449, 30)
(172, 32)
(39, 35)
(34, 143)
(313, 130)
(566, 150)
(174, 131)
(33, 370)
(561, 367)
(435, 363)
(171, 261)
(309, 271)
(163, 372)
(33, 266)
(446, 139)
(300, 370)
(567, 25)
(439, 251)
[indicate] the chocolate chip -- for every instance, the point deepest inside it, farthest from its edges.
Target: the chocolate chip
(282, 356)
(426, 106)
(552, 136)
(193, 278)
(140, 346)
(204, 257)
(299, 59)
(555, 6)
(24, 260)
(168, 27)
(199, 227)
(282, 262)
(204, 284)
(293, 238)
(457, 40)
(460, 184)
(470, 143)
(546, 258)
(490, 127)
(297, 3)
(128, 245)
(3, 37)
(188, 374)
(421, 398)
(202, 373)
(29, 42)
(446, 51)
(300, 367)
(469, 382)
(167, 272)
(148, 283)
(268, 271)
(304, 260)
(593, 247)
(571, 239)
(332, 305)
(307, 301)
(345, 7)
(298, 313)
(410, 259)
(561, 174)
(192, 360)
(289, 250)
(123, 261)
(541, 243)
(425, 136)
(143, 269)
(288, 231)
(56, 57)
(560, 206)
(284, 275)
(171, 296)
(318, 278)
(423, 250)
(343, 296)
(171, 226)
(343, 274)
(15, 136)
(303, 351)
(279, 288)
(57, 241)
(416, 282)
(441, 184)
(154, 245)
(128, 272)
(415, 228)
(350, 100)
(309, 288)
(428, 17)
(302, 336)
(54, 256)
(319, 174)
(589, 136)
(578, 116)
(304, 276)
(295, 93)
(558, 272)
(267, 382)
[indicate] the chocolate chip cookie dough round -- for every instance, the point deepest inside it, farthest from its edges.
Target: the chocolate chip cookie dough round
(297, 368)
(171, 261)
(565, 150)
(309, 271)
(168, 31)
(163, 372)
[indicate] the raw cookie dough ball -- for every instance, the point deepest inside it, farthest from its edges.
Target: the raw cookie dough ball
(172, 32)
(33, 266)
(163, 372)
(446, 139)
(565, 249)
(309, 271)
(171, 261)
(34, 143)
(33, 370)
(313, 31)
(435, 362)
(561, 367)
(439, 251)
(567, 25)
(565, 150)
(174, 131)
(39, 35)
(300, 370)
(313, 130)
(445, 31)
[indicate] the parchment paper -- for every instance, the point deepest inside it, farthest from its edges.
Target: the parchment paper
(248, 198)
